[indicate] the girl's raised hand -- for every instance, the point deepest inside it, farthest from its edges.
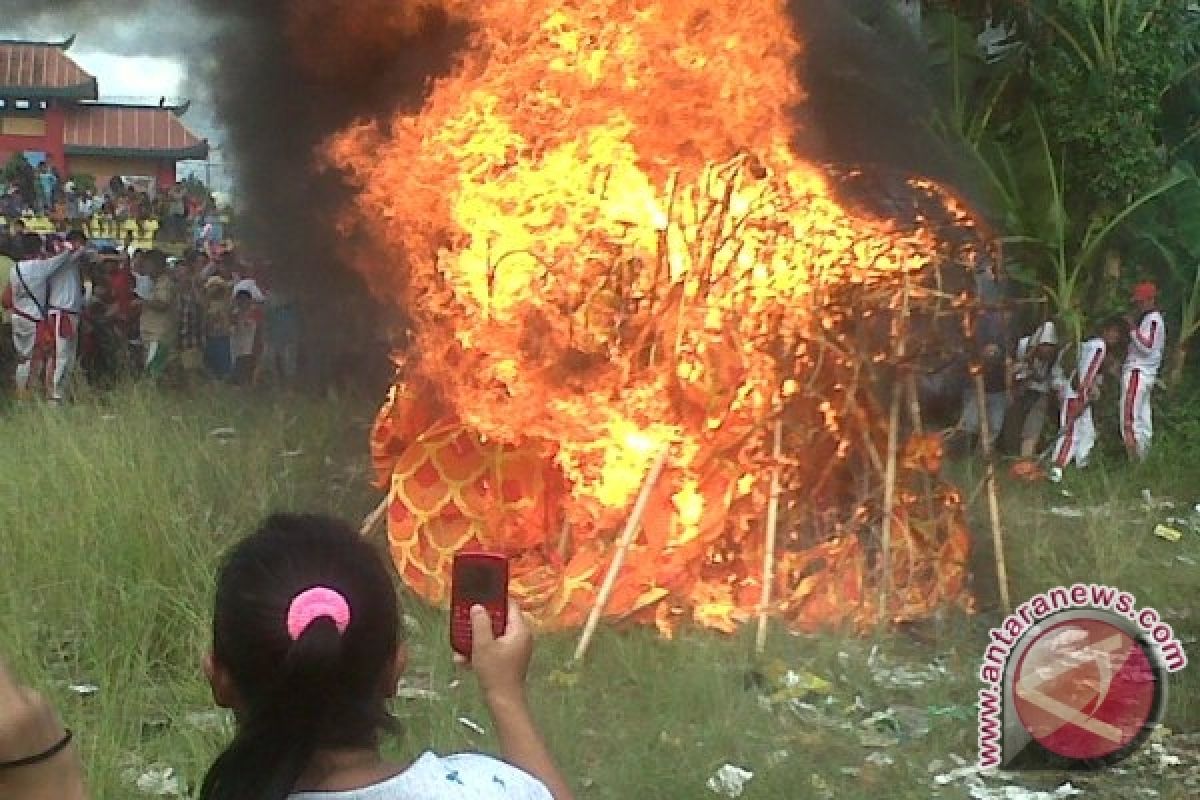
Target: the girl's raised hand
(500, 663)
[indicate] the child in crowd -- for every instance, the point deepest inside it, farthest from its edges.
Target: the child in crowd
(306, 650)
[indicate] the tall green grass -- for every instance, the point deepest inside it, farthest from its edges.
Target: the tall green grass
(115, 512)
(117, 509)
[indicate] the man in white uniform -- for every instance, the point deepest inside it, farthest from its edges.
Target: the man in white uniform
(1034, 374)
(30, 278)
(66, 305)
(1077, 429)
(1147, 339)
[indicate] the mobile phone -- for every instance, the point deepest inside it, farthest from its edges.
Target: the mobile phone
(477, 579)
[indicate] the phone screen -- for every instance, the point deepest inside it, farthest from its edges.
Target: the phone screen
(480, 584)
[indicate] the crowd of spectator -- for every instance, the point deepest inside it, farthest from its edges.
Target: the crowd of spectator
(213, 313)
(179, 211)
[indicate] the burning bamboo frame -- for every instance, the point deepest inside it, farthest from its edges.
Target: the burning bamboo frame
(703, 316)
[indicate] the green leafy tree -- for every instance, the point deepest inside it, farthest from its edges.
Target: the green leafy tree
(19, 172)
(1085, 122)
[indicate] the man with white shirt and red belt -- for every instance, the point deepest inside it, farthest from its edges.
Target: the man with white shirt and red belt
(63, 312)
(1147, 339)
(1077, 388)
(29, 279)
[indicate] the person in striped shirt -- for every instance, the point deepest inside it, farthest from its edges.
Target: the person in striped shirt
(1147, 339)
(1077, 388)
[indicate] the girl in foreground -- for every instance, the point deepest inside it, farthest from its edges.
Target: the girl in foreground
(307, 650)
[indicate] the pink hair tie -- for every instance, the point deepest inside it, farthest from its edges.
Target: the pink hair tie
(314, 603)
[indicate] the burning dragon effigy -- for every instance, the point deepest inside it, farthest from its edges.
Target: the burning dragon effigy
(621, 275)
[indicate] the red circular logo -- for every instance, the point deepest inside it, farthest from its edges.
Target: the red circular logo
(1085, 689)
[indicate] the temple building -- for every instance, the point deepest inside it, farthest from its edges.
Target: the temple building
(49, 110)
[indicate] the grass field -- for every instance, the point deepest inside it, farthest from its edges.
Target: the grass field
(107, 582)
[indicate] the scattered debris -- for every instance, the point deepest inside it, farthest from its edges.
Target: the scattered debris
(1170, 534)
(157, 780)
(84, 689)
(1066, 511)
(1021, 793)
(471, 725)
(1162, 758)
(730, 781)
(1150, 503)
(212, 721)
(953, 712)
(416, 693)
(905, 676)
(292, 453)
(798, 686)
(563, 678)
(813, 716)
(974, 779)
(875, 738)
(879, 759)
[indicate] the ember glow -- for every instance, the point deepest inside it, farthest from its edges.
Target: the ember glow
(608, 247)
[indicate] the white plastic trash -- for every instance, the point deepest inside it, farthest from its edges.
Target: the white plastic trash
(730, 781)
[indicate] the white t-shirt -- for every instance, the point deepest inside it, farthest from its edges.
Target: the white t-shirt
(66, 288)
(35, 276)
(1146, 343)
(467, 776)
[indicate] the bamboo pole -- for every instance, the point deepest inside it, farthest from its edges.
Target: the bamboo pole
(371, 521)
(990, 482)
(631, 528)
(889, 500)
(772, 527)
(564, 538)
(915, 417)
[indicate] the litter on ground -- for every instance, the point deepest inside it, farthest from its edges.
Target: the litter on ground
(730, 780)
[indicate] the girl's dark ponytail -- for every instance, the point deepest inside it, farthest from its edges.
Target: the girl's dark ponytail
(322, 688)
(278, 735)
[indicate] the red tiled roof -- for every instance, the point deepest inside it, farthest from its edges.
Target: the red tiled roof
(36, 67)
(127, 130)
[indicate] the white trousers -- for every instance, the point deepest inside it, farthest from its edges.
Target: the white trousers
(24, 335)
(62, 361)
(1076, 437)
(1137, 427)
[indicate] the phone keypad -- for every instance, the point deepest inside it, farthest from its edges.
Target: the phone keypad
(460, 626)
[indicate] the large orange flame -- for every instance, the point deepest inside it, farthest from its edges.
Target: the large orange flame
(608, 248)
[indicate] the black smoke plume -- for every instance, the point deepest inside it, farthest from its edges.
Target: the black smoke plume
(870, 103)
